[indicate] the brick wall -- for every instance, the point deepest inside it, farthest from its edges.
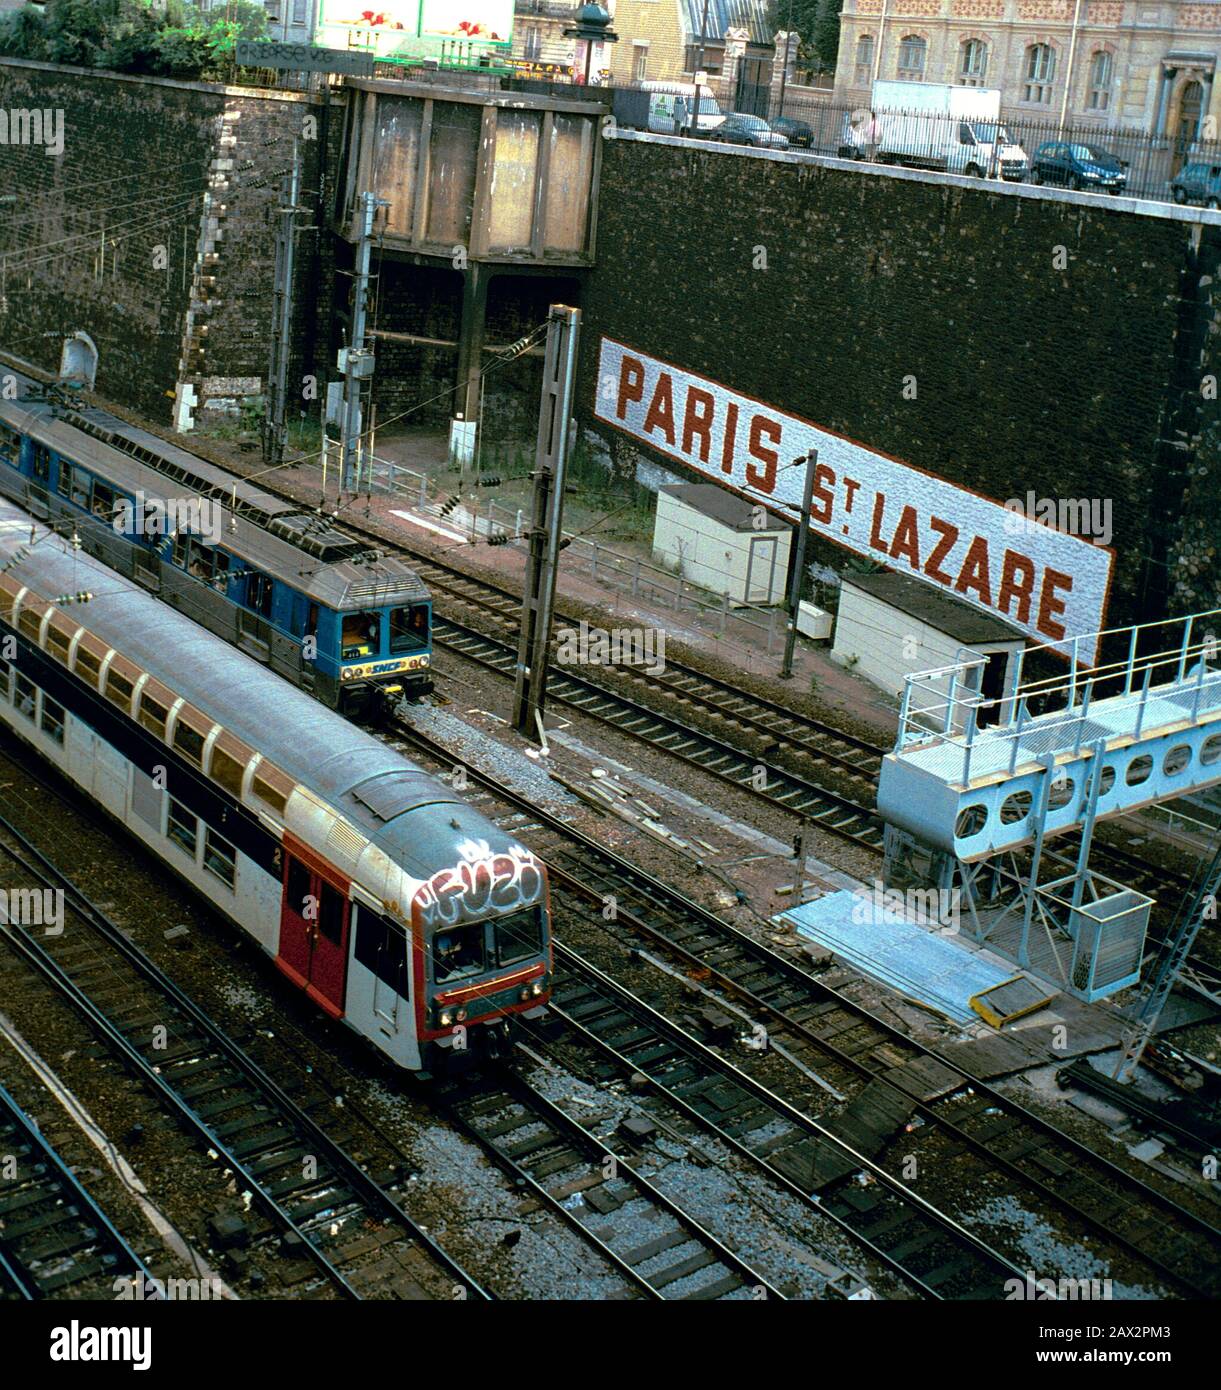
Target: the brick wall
(176, 297)
(1026, 376)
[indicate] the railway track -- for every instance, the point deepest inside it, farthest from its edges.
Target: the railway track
(933, 1255)
(313, 1195)
(851, 1049)
(55, 1239)
(661, 1250)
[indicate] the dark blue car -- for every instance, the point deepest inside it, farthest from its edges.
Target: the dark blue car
(1072, 164)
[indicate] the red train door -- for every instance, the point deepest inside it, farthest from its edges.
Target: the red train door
(314, 926)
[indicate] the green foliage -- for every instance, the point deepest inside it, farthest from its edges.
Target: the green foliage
(174, 40)
(817, 21)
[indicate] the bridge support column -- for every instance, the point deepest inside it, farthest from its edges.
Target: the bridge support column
(464, 424)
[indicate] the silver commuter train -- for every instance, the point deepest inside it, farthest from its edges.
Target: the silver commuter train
(392, 903)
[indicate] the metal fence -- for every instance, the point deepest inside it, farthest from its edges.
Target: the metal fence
(757, 631)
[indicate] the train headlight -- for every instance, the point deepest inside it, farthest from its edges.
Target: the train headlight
(447, 1017)
(461, 1015)
(347, 673)
(525, 993)
(537, 988)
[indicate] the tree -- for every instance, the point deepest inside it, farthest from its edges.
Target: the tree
(817, 21)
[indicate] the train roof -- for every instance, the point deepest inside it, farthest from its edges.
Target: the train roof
(302, 549)
(373, 786)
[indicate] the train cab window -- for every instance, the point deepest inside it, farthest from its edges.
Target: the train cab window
(220, 858)
(182, 827)
(458, 952)
(408, 628)
(330, 914)
(518, 937)
(259, 591)
(52, 720)
(5, 678)
(25, 695)
(361, 635)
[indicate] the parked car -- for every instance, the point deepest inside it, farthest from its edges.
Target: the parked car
(1197, 183)
(739, 129)
(797, 133)
(1078, 166)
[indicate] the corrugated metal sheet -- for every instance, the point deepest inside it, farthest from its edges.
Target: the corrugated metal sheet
(937, 970)
(723, 15)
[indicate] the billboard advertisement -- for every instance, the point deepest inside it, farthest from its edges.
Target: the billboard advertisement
(389, 26)
(1049, 584)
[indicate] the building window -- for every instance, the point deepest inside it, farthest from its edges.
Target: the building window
(1102, 71)
(52, 723)
(1040, 73)
(220, 858)
(640, 62)
(912, 51)
(534, 42)
(299, 12)
(972, 62)
(864, 60)
(183, 828)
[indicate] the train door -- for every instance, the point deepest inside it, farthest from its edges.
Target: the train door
(314, 929)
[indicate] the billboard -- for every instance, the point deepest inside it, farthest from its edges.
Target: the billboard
(1049, 584)
(392, 25)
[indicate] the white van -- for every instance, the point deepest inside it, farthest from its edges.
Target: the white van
(670, 108)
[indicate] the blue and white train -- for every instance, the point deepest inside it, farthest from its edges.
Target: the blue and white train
(347, 623)
(375, 889)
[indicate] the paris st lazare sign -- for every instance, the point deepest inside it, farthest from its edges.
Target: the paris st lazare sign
(1051, 585)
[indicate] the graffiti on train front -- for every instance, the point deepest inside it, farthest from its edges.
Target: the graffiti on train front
(481, 883)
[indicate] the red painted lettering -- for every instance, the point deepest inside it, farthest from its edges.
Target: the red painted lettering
(1017, 581)
(763, 478)
(730, 440)
(974, 573)
(1051, 607)
(949, 535)
(698, 423)
(875, 531)
(631, 383)
(824, 496)
(906, 542)
(661, 409)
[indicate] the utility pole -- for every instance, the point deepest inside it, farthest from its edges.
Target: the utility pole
(799, 564)
(356, 361)
(274, 417)
(551, 466)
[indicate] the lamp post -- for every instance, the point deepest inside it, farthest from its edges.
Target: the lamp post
(591, 29)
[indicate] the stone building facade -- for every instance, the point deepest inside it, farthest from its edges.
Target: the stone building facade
(1146, 65)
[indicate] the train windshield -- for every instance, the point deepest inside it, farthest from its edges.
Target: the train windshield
(458, 952)
(361, 635)
(408, 628)
(518, 937)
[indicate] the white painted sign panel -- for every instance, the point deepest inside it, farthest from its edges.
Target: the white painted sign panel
(1047, 583)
